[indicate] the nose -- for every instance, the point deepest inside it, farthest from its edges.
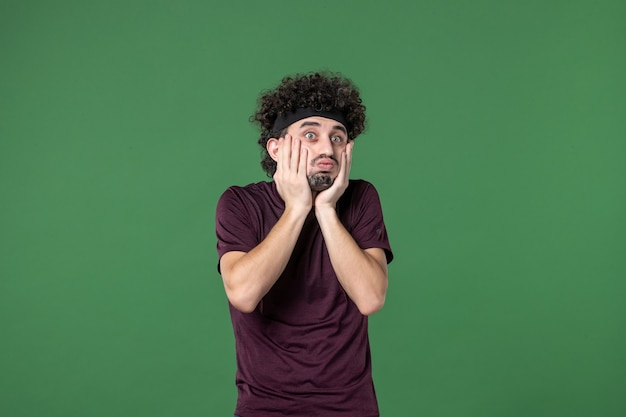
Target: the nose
(325, 146)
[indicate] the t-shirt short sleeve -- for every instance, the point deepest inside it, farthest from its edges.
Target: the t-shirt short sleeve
(233, 225)
(367, 225)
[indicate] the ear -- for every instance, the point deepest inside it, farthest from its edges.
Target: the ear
(272, 148)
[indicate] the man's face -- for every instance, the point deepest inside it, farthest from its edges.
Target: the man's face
(325, 140)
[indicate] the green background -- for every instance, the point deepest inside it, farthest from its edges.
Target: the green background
(497, 141)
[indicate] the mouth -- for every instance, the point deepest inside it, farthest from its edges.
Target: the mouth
(325, 164)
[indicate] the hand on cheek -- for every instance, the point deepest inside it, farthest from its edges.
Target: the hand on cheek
(290, 177)
(329, 197)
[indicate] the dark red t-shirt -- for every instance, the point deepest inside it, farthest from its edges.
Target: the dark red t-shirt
(304, 350)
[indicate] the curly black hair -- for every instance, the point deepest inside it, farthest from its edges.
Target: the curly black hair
(322, 91)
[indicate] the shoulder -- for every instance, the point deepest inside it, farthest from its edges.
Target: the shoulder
(361, 185)
(254, 192)
(359, 198)
(250, 189)
(256, 200)
(359, 190)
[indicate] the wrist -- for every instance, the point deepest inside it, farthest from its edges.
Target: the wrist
(324, 210)
(296, 211)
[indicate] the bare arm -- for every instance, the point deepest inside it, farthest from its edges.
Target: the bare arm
(362, 273)
(248, 276)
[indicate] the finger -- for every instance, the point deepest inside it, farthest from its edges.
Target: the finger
(287, 145)
(281, 154)
(348, 165)
(349, 149)
(290, 147)
(303, 160)
(295, 156)
(344, 172)
(346, 160)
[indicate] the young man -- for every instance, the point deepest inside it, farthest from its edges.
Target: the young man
(304, 258)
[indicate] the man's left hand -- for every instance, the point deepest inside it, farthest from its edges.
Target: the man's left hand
(330, 196)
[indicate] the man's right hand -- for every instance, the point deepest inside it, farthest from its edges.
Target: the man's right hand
(248, 276)
(290, 177)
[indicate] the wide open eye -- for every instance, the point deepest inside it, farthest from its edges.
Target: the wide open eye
(336, 139)
(309, 135)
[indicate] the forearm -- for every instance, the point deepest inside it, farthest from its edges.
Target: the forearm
(249, 276)
(362, 273)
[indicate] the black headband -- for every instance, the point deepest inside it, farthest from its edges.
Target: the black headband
(283, 121)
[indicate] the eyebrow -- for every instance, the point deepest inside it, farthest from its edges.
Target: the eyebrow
(336, 127)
